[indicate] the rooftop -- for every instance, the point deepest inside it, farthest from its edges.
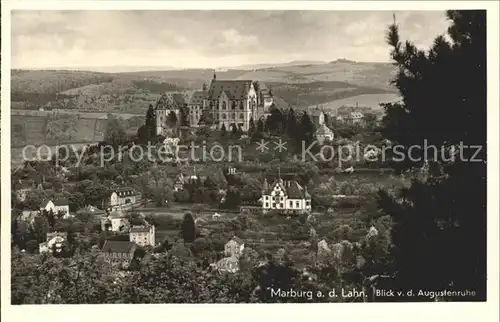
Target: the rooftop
(234, 89)
(118, 246)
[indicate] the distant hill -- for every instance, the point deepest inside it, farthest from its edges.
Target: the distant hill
(271, 65)
(297, 83)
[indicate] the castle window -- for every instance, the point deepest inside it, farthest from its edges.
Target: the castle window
(242, 116)
(224, 116)
(234, 116)
(241, 105)
(267, 205)
(291, 204)
(223, 105)
(297, 204)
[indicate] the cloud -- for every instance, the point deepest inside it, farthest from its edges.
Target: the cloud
(194, 38)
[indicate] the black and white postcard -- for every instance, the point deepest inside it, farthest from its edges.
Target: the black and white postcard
(250, 153)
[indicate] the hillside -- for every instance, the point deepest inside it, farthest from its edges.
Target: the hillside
(299, 85)
(54, 129)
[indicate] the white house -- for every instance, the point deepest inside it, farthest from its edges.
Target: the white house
(123, 196)
(234, 247)
(143, 235)
(356, 117)
(286, 196)
(115, 222)
(56, 206)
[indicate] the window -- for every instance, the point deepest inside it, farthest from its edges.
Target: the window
(242, 116)
(274, 205)
(291, 204)
(267, 204)
(241, 105)
(308, 203)
(223, 105)
(234, 105)
(224, 116)
(297, 204)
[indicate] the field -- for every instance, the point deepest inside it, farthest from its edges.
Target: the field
(365, 100)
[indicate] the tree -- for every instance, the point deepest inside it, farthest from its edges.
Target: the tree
(143, 134)
(251, 126)
(115, 132)
(188, 228)
(223, 129)
(172, 119)
(436, 219)
(307, 129)
(370, 121)
(150, 123)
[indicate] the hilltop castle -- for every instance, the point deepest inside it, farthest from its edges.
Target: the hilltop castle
(232, 103)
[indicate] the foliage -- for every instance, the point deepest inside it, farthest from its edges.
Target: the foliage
(436, 219)
(188, 228)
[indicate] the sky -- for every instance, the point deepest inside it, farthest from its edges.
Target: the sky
(209, 39)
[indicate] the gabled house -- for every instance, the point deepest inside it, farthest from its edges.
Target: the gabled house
(183, 180)
(115, 221)
(355, 117)
(55, 242)
(232, 103)
(56, 206)
(23, 188)
(227, 265)
(122, 197)
(323, 133)
(234, 247)
(118, 252)
(286, 196)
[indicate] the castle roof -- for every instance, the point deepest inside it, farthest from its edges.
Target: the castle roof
(197, 97)
(171, 100)
(234, 89)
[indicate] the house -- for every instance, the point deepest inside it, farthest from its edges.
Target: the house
(323, 248)
(323, 133)
(227, 265)
(143, 235)
(287, 196)
(118, 252)
(58, 205)
(355, 117)
(233, 103)
(23, 189)
(318, 116)
(234, 247)
(116, 221)
(182, 181)
(179, 182)
(55, 242)
(122, 197)
(172, 103)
